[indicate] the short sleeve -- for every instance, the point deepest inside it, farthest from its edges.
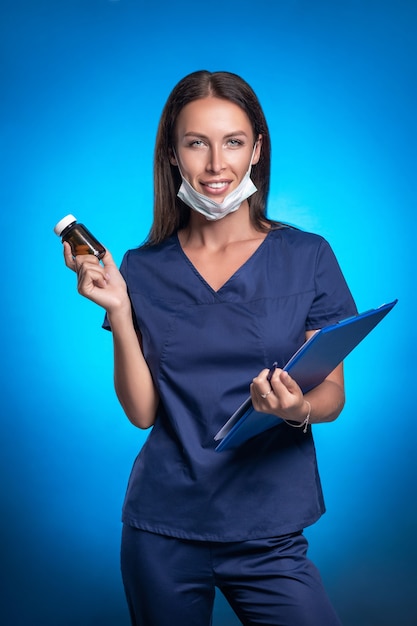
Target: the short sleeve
(333, 300)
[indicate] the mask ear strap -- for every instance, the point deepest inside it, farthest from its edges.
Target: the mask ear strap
(253, 151)
(178, 162)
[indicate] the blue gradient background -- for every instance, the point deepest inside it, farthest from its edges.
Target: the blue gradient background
(82, 88)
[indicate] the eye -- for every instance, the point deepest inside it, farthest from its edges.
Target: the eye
(235, 143)
(195, 143)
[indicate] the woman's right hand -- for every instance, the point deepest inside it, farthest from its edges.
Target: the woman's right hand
(103, 284)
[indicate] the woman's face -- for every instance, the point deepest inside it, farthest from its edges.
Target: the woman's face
(214, 145)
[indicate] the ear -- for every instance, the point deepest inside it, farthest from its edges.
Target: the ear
(258, 149)
(172, 158)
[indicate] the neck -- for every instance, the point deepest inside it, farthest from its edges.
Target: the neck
(218, 233)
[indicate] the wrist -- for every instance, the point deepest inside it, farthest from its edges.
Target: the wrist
(306, 419)
(306, 411)
(120, 313)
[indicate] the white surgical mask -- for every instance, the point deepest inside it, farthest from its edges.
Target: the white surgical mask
(216, 210)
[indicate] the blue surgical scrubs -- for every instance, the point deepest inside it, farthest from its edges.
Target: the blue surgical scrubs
(203, 348)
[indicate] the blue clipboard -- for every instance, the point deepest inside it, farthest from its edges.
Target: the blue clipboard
(309, 366)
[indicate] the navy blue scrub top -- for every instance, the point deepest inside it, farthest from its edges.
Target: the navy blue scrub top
(203, 348)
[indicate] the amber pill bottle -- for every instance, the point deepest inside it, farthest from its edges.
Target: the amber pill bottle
(79, 237)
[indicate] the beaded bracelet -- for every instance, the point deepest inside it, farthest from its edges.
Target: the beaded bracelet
(305, 422)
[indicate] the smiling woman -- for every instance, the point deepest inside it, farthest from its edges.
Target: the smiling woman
(218, 293)
(221, 88)
(215, 158)
(83, 87)
(215, 162)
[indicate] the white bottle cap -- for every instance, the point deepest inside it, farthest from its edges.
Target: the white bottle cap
(62, 224)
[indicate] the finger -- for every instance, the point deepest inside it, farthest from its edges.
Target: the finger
(261, 378)
(257, 400)
(88, 269)
(107, 260)
(68, 258)
(261, 384)
(288, 382)
(90, 276)
(274, 380)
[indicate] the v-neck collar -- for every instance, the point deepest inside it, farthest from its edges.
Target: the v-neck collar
(232, 276)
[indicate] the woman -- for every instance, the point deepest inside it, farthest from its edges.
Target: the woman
(215, 296)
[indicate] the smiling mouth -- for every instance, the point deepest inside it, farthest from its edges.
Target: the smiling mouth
(217, 186)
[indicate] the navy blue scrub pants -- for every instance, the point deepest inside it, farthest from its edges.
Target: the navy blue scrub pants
(171, 582)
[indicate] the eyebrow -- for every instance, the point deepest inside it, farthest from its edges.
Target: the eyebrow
(197, 134)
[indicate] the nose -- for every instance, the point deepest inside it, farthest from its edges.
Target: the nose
(215, 160)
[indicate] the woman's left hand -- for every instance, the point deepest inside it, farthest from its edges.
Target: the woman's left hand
(280, 396)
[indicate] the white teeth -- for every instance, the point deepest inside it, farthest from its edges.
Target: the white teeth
(216, 185)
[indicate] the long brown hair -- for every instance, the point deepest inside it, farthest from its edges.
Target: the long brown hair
(170, 213)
